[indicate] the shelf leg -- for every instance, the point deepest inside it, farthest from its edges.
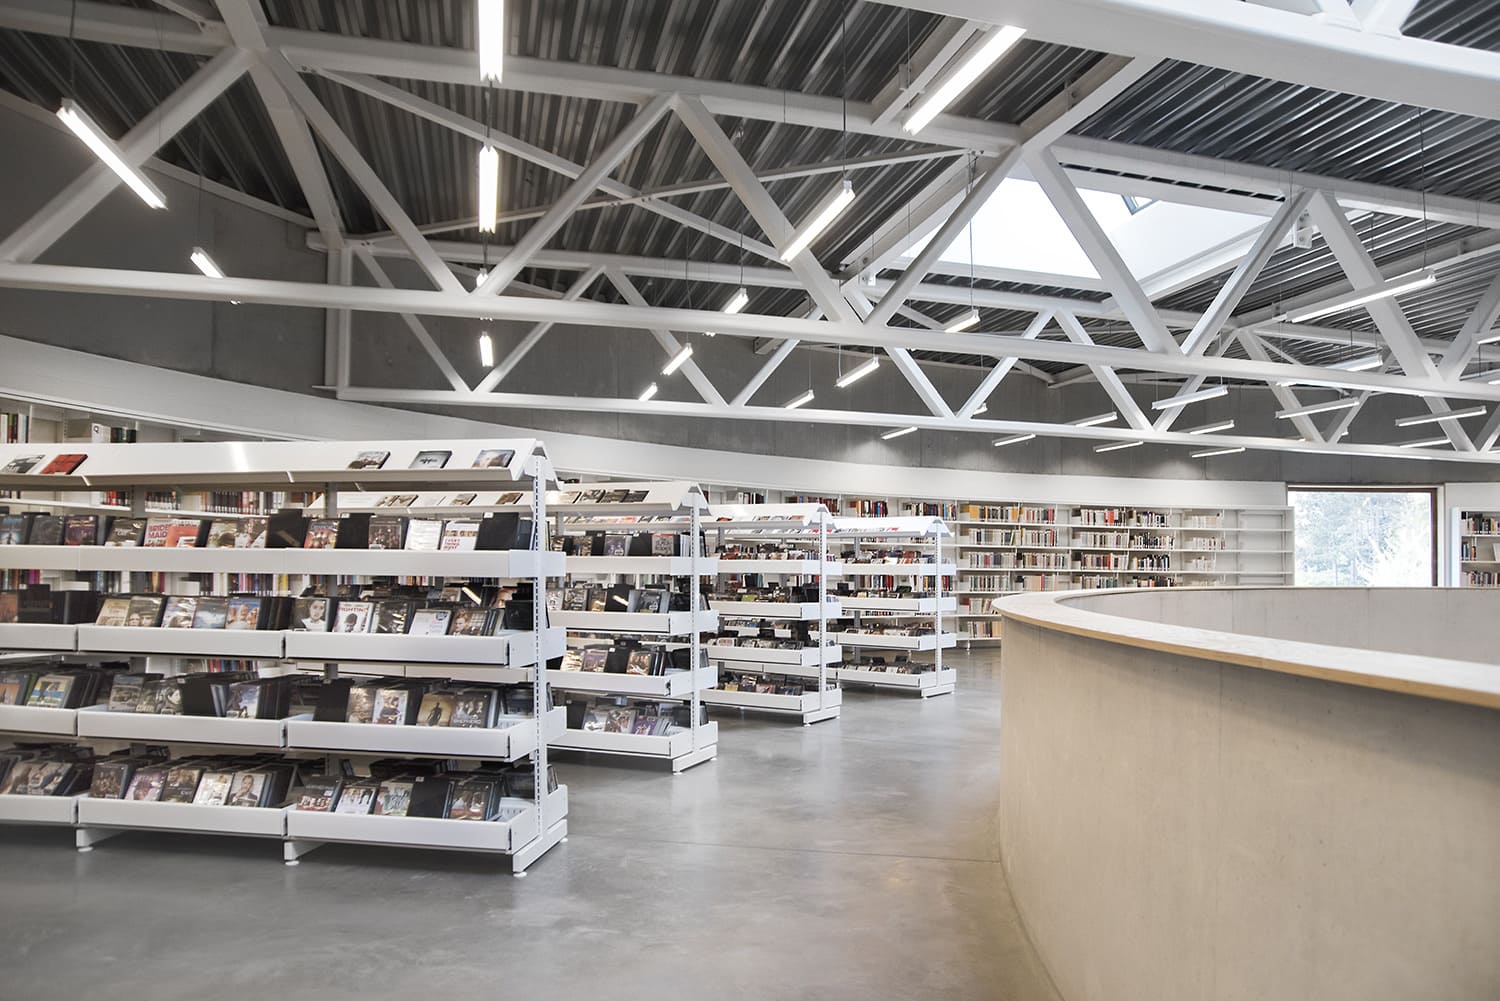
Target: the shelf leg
(87, 837)
(292, 849)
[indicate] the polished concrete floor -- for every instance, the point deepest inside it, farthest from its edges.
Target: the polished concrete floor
(854, 859)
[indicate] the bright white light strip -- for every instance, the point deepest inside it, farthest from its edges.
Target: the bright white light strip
(897, 433)
(857, 373)
(836, 202)
(1096, 420)
(1490, 339)
(800, 401)
(1183, 399)
(486, 351)
(1210, 453)
(1116, 446)
(1452, 415)
(982, 408)
(1365, 364)
(1013, 440)
(489, 189)
(649, 392)
(969, 319)
(678, 360)
(481, 276)
(1211, 428)
(491, 17)
(1385, 290)
(204, 263)
(739, 301)
(995, 45)
(84, 127)
(1424, 443)
(1317, 408)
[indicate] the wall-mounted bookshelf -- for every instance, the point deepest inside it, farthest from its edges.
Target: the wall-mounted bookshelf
(1476, 549)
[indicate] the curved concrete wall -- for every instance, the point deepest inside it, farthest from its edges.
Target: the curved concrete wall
(1179, 828)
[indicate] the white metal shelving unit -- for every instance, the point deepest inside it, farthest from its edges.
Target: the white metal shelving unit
(781, 523)
(673, 507)
(924, 531)
(527, 828)
(1475, 537)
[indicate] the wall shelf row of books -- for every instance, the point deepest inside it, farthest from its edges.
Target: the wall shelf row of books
(1476, 548)
(356, 690)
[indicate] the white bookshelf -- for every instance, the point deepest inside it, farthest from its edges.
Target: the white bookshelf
(1475, 536)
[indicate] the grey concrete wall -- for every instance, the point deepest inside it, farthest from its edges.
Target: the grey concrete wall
(1177, 830)
(283, 348)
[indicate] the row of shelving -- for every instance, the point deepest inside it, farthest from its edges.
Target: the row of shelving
(1476, 549)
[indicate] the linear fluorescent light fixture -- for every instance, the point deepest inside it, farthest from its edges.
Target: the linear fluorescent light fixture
(836, 201)
(1183, 399)
(897, 433)
(1318, 408)
(648, 392)
(1488, 339)
(857, 373)
(1384, 290)
(983, 408)
(86, 129)
(1452, 415)
(489, 188)
(985, 55)
(1211, 428)
(678, 360)
(1424, 443)
(479, 278)
(1210, 453)
(1014, 439)
(737, 302)
(486, 350)
(1096, 420)
(1367, 363)
(491, 17)
(969, 319)
(206, 264)
(1116, 446)
(800, 401)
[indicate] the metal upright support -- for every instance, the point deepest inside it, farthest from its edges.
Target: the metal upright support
(695, 606)
(823, 609)
(937, 594)
(537, 467)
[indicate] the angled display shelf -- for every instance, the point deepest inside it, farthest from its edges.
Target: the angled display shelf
(516, 470)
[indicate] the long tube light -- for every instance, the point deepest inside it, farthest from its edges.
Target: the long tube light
(1365, 364)
(1015, 439)
(678, 360)
(1424, 443)
(1096, 420)
(837, 200)
(1211, 428)
(648, 392)
(981, 409)
(800, 401)
(489, 188)
(86, 129)
(737, 302)
(1183, 399)
(1210, 453)
(969, 319)
(857, 373)
(206, 264)
(1385, 290)
(1318, 408)
(1489, 339)
(897, 433)
(1116, 446)
(995, 45)
(480, 276)
(491, 16)
(1452, 415)
(486, 350)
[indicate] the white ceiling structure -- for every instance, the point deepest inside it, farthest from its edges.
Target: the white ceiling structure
(1210, 225)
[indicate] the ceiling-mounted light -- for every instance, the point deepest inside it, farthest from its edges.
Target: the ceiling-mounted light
(1096, 420)
(800, 401)
(648, 392)
(1183, 399)
(87, 130)
(1210, 453)
(857, 373)
(1366, 363)
(481, 276)
(678, 360)
(491, 17)
(1344, 403)
(981, 409)
(897, 433)
(737, 302)
(1116, 446)
(985, 54)
(1424, 443)
(1014, 439)
(969, 319)
(1211, 428)
(1452, 415)
(486, 350)
(836, 201)
(1385, 290)
(206, 264)
(489, 188)
(1488, 339)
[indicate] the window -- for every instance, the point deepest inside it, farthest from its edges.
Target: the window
(1365, 537)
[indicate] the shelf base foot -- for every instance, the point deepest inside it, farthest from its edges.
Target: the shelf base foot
(87, 837)
(293, 849)
(521, 859)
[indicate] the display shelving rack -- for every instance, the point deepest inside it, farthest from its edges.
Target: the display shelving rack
(525, 830)
(1476, 549)
(674, 508)
(788, 523)
(927, 603)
